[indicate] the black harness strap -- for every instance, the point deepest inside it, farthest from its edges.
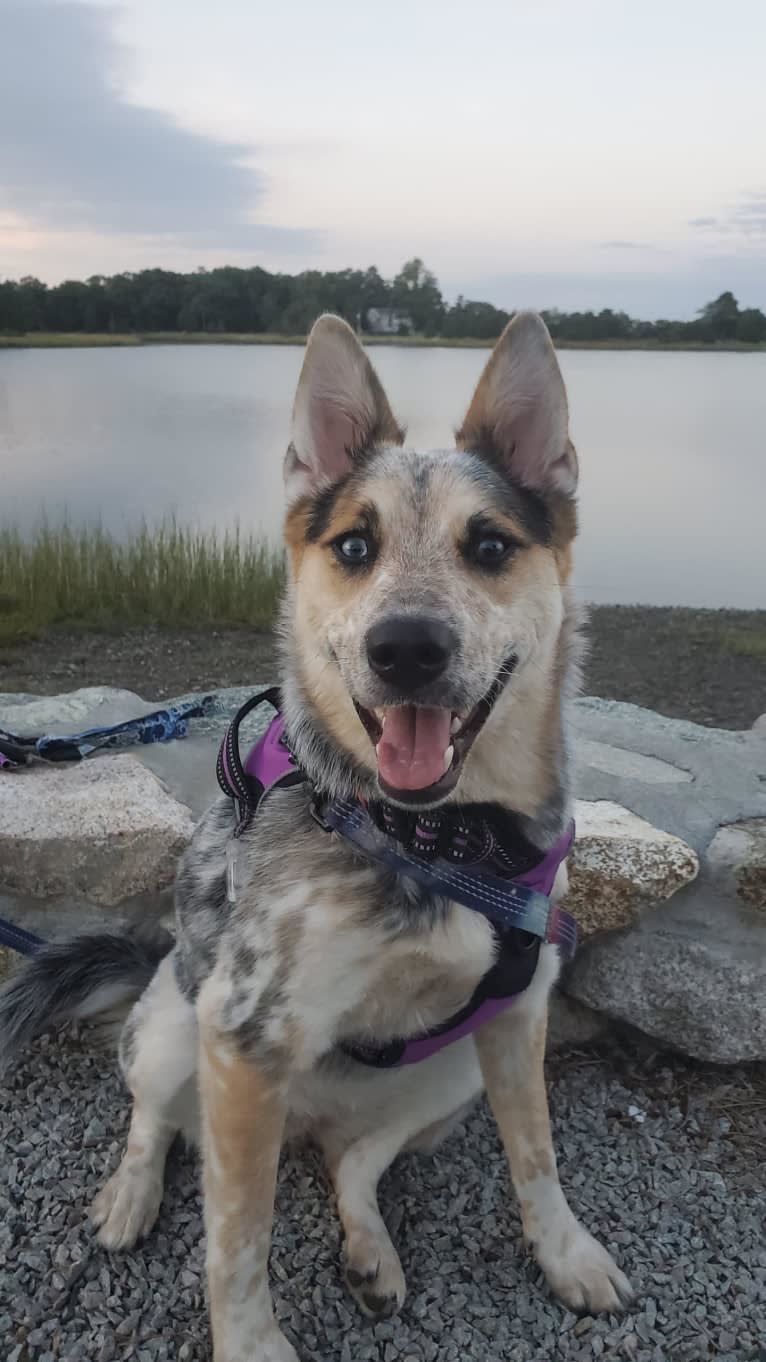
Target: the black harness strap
(246, 790)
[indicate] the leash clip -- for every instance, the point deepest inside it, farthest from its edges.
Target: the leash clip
(317, 815)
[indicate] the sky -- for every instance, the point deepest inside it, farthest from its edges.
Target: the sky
(535, 153)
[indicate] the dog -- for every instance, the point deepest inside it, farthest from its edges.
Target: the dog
(429, 642)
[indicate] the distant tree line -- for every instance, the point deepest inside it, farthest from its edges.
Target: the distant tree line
(253, 300)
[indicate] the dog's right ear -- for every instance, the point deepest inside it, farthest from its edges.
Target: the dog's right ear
(340, 410)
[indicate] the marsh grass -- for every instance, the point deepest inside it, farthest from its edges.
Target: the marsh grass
(65, 340)
(47, 340)
(167, 574)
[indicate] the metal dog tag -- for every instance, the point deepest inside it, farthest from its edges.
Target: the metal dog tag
(232, 855)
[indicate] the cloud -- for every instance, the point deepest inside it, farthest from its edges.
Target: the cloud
(626, 246)
(750, 215)
(75, 153)
(746, 218)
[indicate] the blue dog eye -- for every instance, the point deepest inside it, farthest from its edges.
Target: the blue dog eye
(491, 548)
(354, 548)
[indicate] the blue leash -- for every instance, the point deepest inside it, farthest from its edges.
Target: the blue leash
(24, 943)
(160, 726)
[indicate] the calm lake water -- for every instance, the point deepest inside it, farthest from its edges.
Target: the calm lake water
(672, 449)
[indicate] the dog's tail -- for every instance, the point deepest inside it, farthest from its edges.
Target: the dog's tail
(81, 977)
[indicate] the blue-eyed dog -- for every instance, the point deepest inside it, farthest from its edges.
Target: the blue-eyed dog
(428, 647)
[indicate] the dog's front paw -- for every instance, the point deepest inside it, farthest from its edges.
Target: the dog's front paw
(126, 1208)
(374, 1275)
(582, 1274)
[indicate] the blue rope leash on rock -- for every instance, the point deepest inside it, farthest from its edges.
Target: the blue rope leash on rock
(160, 726)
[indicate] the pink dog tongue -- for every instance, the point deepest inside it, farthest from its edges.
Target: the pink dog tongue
(412, 746)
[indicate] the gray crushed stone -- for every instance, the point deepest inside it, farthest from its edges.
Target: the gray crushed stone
(652, 1161)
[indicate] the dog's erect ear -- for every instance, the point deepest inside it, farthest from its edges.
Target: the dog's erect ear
(340, 410)
(518, 415)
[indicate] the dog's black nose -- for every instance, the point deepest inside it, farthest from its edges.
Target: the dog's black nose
(409, 650)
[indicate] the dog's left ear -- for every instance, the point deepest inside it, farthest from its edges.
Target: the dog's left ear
(518, 415)
(340, 410)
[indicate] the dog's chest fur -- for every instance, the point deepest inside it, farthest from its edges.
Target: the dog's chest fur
(319, 945)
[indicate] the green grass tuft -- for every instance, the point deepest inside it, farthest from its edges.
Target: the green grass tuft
(744, 642)
(85, 578)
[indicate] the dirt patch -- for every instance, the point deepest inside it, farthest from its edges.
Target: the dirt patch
(705, 665)
(156, 664)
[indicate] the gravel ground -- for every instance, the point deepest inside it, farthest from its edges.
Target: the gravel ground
(705, 665)
(659, 1157)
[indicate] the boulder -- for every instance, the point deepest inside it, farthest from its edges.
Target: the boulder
(105, 829)
(702, 996)
(620, 864)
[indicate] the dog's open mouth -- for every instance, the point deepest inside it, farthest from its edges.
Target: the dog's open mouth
(421, 749)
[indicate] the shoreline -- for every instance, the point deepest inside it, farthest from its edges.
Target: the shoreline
(87, 340)
(708, 666)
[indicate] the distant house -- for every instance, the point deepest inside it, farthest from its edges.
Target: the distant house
(386, 321)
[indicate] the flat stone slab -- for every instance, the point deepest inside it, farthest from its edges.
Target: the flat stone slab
(88, 707)
(105, 828)
(725, 771)
(620, 761)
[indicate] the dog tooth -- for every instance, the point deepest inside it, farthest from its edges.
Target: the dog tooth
(448, 755)
(455, 725)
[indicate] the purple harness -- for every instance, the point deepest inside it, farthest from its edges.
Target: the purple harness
(511, 888)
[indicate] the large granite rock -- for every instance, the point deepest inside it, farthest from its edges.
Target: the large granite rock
(621, 864)
(704, 996)
(104, 829)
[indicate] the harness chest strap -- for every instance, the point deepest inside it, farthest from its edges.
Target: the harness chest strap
(461, 866)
